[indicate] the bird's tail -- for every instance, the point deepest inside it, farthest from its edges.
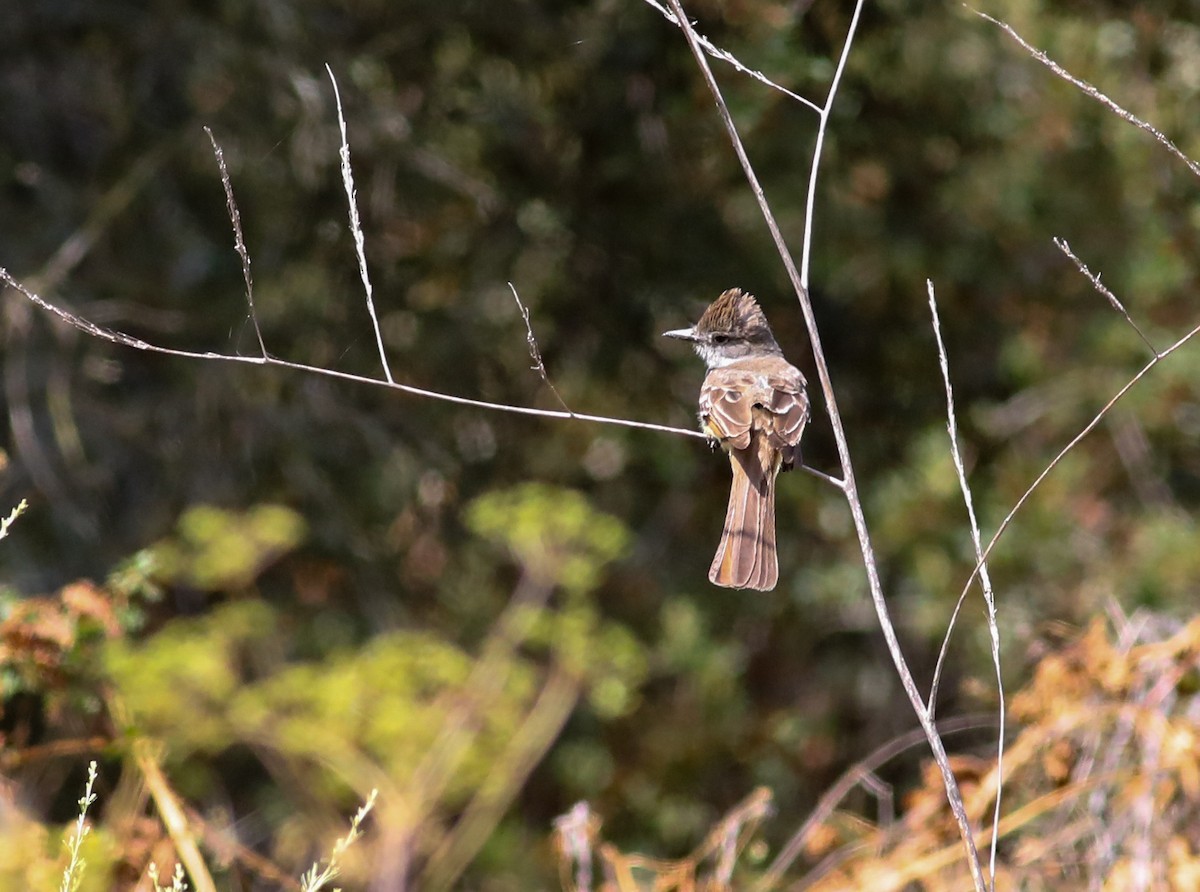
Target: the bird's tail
(746, 557)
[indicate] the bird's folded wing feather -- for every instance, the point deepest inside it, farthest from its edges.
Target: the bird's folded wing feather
(727, 409)
(729, 396)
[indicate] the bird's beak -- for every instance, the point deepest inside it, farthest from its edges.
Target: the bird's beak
(684, 334)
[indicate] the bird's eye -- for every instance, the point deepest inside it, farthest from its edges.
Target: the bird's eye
(720, 339)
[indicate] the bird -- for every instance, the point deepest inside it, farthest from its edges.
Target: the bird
(754, 404)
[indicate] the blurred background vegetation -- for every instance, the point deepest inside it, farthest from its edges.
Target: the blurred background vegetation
(301, 589)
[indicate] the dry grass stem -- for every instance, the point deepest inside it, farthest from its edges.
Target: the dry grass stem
(1094, 278)
(1088, 428)
(1159, 355)
(1093, 92)
(534, 353)
(725, 56)
(16, 512)
(317, 877)
(73, 873)
(239, 241)
(707, 868)
(524, 751)
(989, 596)
(125, 340)
(356, 227)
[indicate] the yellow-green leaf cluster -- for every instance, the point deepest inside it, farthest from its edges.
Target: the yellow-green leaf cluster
(555, 534)
(220, 550)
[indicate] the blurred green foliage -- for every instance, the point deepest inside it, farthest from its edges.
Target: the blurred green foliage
(217, 551)
(31, 857)
(209, 684)
(408, 710)
(554, 534)
(572, 150)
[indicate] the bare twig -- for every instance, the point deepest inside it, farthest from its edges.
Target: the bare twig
(125, 340)
(821, 475)
(725, 56)
(1094, 278)
(984, 578)
(730, 836)
(1093, 92)
(356, 227)
(726, 857)
(36, 446)
(110, 205)
(885, 797)
(799, 279)
(1091, 425)
(1159, 355)
(239, 242)
(534, 353)
(11, 759)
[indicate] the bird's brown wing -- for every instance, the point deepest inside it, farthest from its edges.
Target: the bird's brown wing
(788, 410)
(737, 401)
(727, 407)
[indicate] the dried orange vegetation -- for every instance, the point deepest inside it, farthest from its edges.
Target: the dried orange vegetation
(709, 867)
(37, 634)
(1101, 791)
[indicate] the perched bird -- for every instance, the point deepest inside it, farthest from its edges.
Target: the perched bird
(754, 404)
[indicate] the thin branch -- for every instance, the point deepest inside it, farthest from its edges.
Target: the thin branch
(725, 56)
(814, 169)
(356, 226)
(1091, 425)
(721, 845)
(730, 836)
(125, 340)
(534, 353)
(1094, 278)
(37, 447)
(850, 486)
(239, 242)
(821, 475)
(1092, 91)
(984, 577)
(11, 759)
(1133, 449)
(1158, 355)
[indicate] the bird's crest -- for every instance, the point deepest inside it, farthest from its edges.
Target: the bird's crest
(736, 312)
